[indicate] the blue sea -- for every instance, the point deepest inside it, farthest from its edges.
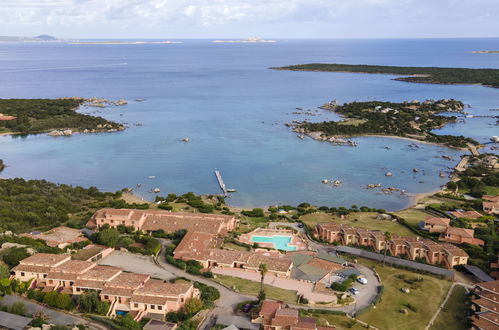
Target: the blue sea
(233, 109)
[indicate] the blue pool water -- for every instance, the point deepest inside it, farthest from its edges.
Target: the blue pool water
(121, 313)
(280, 242)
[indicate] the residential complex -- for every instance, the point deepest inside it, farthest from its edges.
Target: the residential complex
(153, 220)
(132, 293)
(491, 206)
(59, 237)
(411, 247)
(205, 248)
(448, 233)
(486, 306)
(274, 315)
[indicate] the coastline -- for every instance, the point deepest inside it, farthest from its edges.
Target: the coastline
(414, 140)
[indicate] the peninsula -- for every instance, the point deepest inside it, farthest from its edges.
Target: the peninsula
(425, 75)
(32, 116)
(414, 120)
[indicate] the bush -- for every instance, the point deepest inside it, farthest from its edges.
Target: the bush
(59, 300)
(255, 213)
(18, 308)
(15, 255)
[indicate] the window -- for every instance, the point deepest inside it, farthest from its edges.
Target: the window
(153, 307)
(160, 308)
(22, 273)
(106, 297)
(78, 289)
(136, 305)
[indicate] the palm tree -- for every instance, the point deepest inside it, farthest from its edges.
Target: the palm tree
(263, 269)
(388, 237)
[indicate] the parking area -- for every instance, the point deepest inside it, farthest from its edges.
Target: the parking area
(136, 263)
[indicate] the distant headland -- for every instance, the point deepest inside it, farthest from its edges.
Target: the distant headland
(39, 38)
(249, 40)
(425, 75)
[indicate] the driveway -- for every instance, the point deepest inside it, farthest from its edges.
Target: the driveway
(160, 269)
(303, 288)
(136, 263)
(55, 317)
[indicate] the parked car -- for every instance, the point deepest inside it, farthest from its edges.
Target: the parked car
(362, 280)
(246, 308)
(354, 291)
(300, 225)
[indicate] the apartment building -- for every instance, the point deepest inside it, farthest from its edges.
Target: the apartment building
(132, 293)
(486, 306)
(413, 248)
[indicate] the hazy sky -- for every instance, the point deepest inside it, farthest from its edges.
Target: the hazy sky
(244, 18)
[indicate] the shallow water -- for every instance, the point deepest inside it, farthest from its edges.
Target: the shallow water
(233, 108)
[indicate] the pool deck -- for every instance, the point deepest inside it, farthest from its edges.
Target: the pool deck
(296, 240)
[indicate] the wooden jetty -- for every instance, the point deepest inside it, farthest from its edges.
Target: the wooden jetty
(473, 149)
(221, 183)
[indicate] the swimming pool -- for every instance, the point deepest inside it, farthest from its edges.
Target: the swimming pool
(280, 242)
(123, 313)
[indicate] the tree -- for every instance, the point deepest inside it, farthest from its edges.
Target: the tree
(108, 237)
(88, 301)
(18, 308)
(192, 306)
(14, 255)
(56, 299)
(388, 237)
(4, 271)
(263, 269)
(127, 322)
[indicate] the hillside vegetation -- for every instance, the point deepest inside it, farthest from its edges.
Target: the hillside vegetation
(428, 75)
(42, 115)
(415, 120)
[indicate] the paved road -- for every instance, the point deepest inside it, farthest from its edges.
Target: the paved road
(56, 317)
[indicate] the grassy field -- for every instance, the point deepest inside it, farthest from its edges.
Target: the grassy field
(359, 219)
(248, 224)
(412, 216)
(353, 122)
(422, 302)
(252, 288)
(453, 315)
(234, 247)
(338, 321)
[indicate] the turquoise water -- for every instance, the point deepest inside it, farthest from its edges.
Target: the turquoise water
(121, 313)
(280, 242)
(233, 108)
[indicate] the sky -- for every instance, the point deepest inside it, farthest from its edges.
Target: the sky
(172, 19)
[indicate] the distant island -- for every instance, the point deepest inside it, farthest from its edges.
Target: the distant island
(249, 40)
(486, 52)
(427, 75)
(123, 42)
(40, 38)
(56, 116)
(413, 120)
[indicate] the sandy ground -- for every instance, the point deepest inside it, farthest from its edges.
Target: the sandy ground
(131, 198)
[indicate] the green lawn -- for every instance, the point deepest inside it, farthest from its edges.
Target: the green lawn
(252, 288)
(248, 224)
(234, 247)
(340, 322)
(453, 315)
(412, 216)
(359, 219)
(425, 298)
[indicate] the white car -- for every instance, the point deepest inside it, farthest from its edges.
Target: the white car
(354, 291)
(362, 280)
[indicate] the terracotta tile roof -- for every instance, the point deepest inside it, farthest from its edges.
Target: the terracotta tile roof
(485, 303)
(195, 241)
(438, 221)
(114, 291)
(490, 316)
(155, 300)
(274, 264)
(329, 226)
(163, 289)
(287, 312)
(328, 266)
(100, 273)
(482, 323)
(62, 276)
(453, 250)
(128, 280)
(59, 235)
(491, 286)
(45, 259)
(74, 266)
(269, 307)
(491, 198)
(89, 251)
(466, 214)
(32, 269)
(89, 284)
(463, 232)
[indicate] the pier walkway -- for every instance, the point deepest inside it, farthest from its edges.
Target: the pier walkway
(221, 183)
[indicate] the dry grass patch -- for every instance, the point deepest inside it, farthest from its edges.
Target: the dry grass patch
(358, 219)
